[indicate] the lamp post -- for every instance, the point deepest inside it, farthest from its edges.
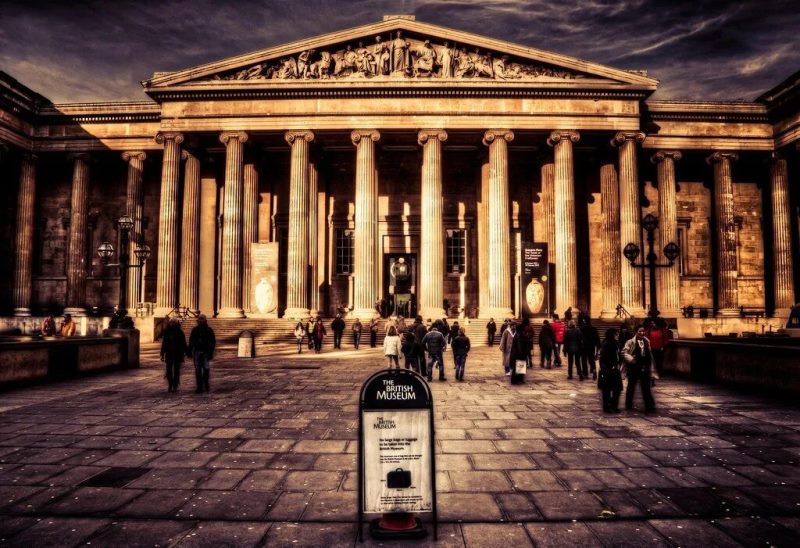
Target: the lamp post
(671, 251)
(106, 250)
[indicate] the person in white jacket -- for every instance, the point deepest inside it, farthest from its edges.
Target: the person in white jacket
(299, 334)
(391, 347)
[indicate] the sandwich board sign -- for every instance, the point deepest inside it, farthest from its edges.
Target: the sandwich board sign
(396, 454)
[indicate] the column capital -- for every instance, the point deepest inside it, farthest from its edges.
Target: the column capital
(492, 134)
(134, 155)
(662, 155)
(563, 135)
(622, 136)
(425, 135)
(292, 136)
(85, 156)
(357, 134)
(226, 136)
(29, 156)
(164, 136)
(186, 155)
(721, 155)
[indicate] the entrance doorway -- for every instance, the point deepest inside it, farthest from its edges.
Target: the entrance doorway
(400, 285)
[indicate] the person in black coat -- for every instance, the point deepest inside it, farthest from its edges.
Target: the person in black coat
(491, 329)
(610, 381)
(337, 326)
(419, 352)
(547, 341)
(520, 351)
(454, 329)
(461, 347)
(173, 350)
(591, 344)
(202, 343)
(573, 345)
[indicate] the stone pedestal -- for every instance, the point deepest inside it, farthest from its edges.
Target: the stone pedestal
(297, 267)
(669, 284)
(26, 200)
(367, 245)
(76, 245)
(432, 250)
(566, 260)
(134, 205)
(189, 290)
(499, 240)
(231, 286)
(609, 238)
(781, 236)
(727, 267)
(167, 273)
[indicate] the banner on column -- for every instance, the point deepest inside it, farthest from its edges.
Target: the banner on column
(535, 294)
(263, 290)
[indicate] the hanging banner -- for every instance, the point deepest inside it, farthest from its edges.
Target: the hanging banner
(535, 293)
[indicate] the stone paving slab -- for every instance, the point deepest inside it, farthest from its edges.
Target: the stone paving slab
(268, 458)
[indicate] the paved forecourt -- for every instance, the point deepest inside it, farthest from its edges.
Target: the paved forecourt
(269, 458)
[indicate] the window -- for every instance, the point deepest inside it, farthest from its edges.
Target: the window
(456, 251)
(344, 251)
(683, 244)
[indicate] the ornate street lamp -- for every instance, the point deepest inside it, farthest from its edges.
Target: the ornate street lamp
(106, 251)
(671, 251)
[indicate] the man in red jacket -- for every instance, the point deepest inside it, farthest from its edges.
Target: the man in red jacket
(558, 331)
(659, 336)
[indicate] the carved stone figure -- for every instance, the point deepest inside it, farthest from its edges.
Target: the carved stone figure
(380, 56)
(482, 65)
(425, 59)
(288, 68)
(321, 68)
(465, 66)
(363, 60)
(400, 54)
(303, 63)
(446, 60)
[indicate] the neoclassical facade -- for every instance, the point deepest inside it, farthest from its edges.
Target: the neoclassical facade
(404, 162)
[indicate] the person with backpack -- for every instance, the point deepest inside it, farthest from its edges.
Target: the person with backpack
(202, 343)
(461, 347)
(435, 345)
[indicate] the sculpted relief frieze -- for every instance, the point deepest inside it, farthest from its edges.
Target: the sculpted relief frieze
(397, 56)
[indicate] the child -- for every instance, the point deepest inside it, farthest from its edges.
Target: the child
(391, 347)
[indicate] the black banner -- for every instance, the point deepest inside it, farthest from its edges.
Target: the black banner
(535, 280)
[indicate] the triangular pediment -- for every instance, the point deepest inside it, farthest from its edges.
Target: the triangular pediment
(400, 49)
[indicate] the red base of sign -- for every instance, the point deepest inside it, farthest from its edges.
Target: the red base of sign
(397, 526)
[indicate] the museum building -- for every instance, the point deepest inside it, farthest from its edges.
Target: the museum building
(405, 164)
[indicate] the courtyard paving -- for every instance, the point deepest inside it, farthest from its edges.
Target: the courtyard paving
(268, 458)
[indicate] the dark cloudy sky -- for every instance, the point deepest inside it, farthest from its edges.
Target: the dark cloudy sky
(100, 50)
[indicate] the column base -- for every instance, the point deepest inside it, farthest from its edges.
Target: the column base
(25, 312)
(500, 312)
(296, 313)
(728, 313)
(161, 311)
(608, 314)
(230, 313)
(636, 312)
(781, 312)
(432, 313)
(362, 313)
(671, 313)
(75, 311)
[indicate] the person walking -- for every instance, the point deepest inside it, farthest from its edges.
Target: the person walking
(173, 350)
(409, 349)
(506, 340)
(591, 345)
(337, 325)
(573, 346)
(419, 334)
(391, 347)
(558, 331)
(67, 327)
(638, 358)
(319, 335)
(357, 327)
(461, 347)
(610, 381)
(491, 329)
(202, 343)
(310, 332)
(299, 334)
(373, 332)
(453, 333)
(435, 345)
(546, 344)
(659, 336)
(529, 335)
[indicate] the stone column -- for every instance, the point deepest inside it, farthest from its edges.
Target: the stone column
(431, 282)
(134, 209)
(548, 173)
(231, 283)
(189, 291)
(76, 246)
(483, 244)
(781, 236)
(167, 273)
(727, 268)
(630, 217)
(313, 241)
(566, 259)
(669, 284)
(366, 230)
(609, 238)
(249, 231)
(297, 268)
(26, 200)
(499, 242)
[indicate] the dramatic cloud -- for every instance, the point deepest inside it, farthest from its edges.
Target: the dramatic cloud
(99, 51)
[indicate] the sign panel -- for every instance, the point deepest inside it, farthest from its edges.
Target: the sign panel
(535, 280)
(397, 460)
(263, 291)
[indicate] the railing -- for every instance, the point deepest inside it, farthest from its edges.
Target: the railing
(622, 312)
